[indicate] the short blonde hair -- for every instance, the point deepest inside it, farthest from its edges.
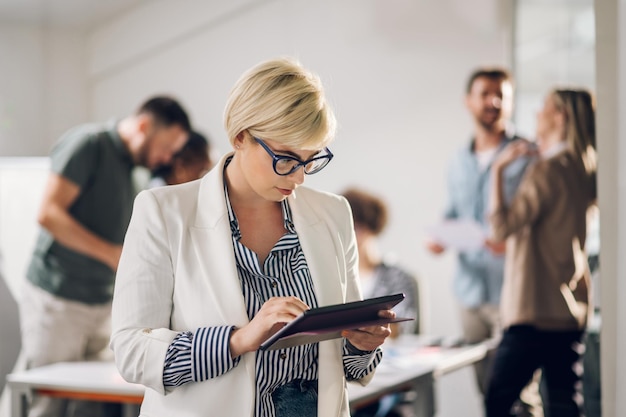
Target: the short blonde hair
(281, 101)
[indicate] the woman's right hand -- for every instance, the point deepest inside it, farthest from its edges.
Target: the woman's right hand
(273, 315)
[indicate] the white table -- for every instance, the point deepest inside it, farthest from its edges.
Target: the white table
(92, 381)
(407, 365)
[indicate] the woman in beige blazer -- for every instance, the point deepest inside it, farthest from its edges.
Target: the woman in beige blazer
(212, 268)
(545, 296)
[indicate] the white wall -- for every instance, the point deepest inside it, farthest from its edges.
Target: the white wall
(394, 69)
(43, 88)
(22, 181)
(21, 87)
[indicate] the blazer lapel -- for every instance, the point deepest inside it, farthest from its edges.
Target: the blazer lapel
(319, 250)
(211, 237)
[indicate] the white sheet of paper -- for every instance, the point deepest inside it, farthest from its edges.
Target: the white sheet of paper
(462, 235)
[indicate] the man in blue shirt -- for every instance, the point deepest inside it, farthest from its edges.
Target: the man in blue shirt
(479, 273)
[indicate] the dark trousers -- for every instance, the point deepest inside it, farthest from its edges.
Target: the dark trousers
(522, 350)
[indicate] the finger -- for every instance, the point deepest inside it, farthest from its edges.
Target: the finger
(388, 314)
(269, 317)
(357, 336)
(364, 340)
(287, 300)
(292, 305)
(298, 303)
(376, 331)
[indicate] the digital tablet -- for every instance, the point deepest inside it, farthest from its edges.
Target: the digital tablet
(327, 322)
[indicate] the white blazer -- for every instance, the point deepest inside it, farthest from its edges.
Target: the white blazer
(177, 273)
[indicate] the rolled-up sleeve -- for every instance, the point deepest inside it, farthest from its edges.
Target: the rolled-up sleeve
(358, 364)
(196, 357)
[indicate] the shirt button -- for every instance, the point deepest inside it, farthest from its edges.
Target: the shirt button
(274, 284)
(283, 356)
(147, 331)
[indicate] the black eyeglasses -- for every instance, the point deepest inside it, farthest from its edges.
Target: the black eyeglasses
(285, 165)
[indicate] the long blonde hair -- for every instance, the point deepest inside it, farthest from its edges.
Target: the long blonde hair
(578, 106)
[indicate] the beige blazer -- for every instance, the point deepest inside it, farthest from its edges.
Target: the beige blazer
(177, 273)
(546, 275)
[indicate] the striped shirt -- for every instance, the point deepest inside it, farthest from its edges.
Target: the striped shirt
(205, 354)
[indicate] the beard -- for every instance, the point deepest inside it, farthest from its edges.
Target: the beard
(491, 120)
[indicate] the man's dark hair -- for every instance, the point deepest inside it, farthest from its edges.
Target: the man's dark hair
(166, 111)
(496, 74)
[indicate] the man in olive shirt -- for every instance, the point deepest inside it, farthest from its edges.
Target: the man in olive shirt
(87, 203)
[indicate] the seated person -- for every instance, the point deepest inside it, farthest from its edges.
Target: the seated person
(379, 277)
(190, 163)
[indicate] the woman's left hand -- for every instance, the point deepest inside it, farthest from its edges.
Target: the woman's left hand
(513, 151)
(369, 338)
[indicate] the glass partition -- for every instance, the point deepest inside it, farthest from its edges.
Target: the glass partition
(554, 46)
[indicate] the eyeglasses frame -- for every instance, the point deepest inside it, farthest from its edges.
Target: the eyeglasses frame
(300, 163)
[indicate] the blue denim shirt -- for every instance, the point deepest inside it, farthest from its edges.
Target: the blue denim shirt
(479, 273)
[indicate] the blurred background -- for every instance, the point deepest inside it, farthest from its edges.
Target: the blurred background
(395, 72)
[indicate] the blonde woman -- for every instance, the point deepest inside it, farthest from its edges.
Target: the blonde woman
(545, 297)
(211, 268)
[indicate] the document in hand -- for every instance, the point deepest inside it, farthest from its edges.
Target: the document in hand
(462, 235)
(327, 322)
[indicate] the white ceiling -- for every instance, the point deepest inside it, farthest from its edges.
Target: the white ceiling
(77, 14)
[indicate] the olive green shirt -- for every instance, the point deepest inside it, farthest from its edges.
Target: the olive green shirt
(94, 158)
